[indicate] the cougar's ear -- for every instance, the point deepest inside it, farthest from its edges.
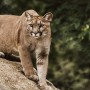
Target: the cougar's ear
(28, 16)
(48, 16)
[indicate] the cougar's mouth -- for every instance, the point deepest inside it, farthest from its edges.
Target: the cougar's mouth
(36, 35)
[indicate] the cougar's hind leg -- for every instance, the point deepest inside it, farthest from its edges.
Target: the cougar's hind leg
(2, 54)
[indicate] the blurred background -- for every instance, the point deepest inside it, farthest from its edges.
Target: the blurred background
(69, 64)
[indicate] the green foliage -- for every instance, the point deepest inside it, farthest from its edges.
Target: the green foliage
(69, 67)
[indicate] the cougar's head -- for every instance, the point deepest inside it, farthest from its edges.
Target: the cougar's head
(38, 26)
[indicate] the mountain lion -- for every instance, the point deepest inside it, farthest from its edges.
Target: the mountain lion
(25, 34)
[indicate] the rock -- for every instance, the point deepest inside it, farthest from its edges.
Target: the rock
(12, 79)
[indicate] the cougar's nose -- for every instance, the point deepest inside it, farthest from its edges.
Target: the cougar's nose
(35, 30)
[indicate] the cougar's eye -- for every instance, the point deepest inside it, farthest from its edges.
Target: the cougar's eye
(41, 25)
(31, 25)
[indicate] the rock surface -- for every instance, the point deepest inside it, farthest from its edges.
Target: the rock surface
(12, 79)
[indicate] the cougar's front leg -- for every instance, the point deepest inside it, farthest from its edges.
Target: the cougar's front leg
(27, 63)
(42, 66)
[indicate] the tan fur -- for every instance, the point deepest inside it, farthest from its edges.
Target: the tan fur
(17, 35)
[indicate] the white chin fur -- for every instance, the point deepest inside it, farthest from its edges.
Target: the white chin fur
(35, 37)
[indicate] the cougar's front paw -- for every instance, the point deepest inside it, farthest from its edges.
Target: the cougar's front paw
(33, 77)
(31, 74)
(44, 87)
(2, 54)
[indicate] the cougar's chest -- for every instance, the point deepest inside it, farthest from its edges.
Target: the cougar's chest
(32, 46)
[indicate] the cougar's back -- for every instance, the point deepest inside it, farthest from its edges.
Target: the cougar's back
(8, 24)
